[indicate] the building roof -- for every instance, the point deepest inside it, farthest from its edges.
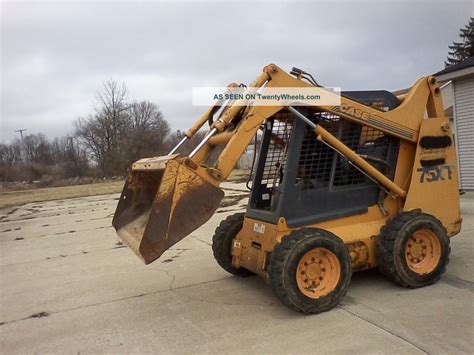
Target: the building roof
(466, 63)
(401, 91)
(461, 69)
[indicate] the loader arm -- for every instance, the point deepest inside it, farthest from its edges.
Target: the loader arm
(402, 122)
(167, 198)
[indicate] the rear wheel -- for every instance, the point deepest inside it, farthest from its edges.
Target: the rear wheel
(222, 243)
(413, 249)
(310, 270)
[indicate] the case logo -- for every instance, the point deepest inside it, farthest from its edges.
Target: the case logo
(351, 111)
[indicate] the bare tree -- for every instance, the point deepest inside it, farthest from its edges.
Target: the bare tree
(103, 132)
(37, 149)
(93, 136)
(117, 133)
(10, 154)
(70, 157)
(189, 146)
(147, 131)
(30, 145)
(120, 132)
(112, 111)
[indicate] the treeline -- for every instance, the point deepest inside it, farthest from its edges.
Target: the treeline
(35, 158)
(101, 145)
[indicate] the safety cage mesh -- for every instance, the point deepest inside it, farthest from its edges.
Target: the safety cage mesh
(321, 167)
(277, 153)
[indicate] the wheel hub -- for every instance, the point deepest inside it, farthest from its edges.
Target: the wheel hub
(423, 251)
(313, 271)
(416, 250)
(318, 273)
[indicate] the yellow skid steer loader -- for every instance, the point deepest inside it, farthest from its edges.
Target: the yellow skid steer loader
(372, 182)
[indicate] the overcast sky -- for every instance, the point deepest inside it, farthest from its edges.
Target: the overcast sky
(55, 55)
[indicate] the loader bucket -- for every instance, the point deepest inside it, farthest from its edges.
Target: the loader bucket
(162, 202)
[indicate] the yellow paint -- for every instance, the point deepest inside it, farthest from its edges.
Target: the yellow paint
(238, 125)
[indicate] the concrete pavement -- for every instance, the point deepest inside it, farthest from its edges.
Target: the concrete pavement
(69, 286)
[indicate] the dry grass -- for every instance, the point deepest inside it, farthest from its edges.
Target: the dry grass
(20, 197)
(239, 175)
(16, 198)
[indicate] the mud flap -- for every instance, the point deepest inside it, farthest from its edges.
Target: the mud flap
(162, 204)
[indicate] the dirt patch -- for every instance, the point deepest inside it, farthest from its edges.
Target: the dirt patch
(17, 198)
(229, 189)
(232, 200)
(178, 254)
(231, 210)
(239, 176)
(12, 211)
(38, 315)
(240, 179)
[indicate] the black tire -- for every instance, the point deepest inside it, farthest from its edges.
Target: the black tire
(283, 266)
(391, 251)
(222, 244)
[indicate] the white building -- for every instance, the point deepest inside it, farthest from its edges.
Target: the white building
(457, 86)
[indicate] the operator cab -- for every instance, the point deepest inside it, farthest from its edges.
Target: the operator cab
(305, 181)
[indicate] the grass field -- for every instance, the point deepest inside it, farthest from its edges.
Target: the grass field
(17, 198)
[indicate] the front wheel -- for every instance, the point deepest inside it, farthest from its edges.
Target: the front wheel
(222, 244)
(310, 270)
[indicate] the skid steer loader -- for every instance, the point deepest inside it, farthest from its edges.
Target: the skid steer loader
(372, 182)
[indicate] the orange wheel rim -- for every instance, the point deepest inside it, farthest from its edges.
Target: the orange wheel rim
(423, 251)
(318, 273)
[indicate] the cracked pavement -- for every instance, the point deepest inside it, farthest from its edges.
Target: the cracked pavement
(68, 285)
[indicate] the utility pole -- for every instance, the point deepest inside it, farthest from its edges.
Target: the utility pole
(21, 133)
(22, 151)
